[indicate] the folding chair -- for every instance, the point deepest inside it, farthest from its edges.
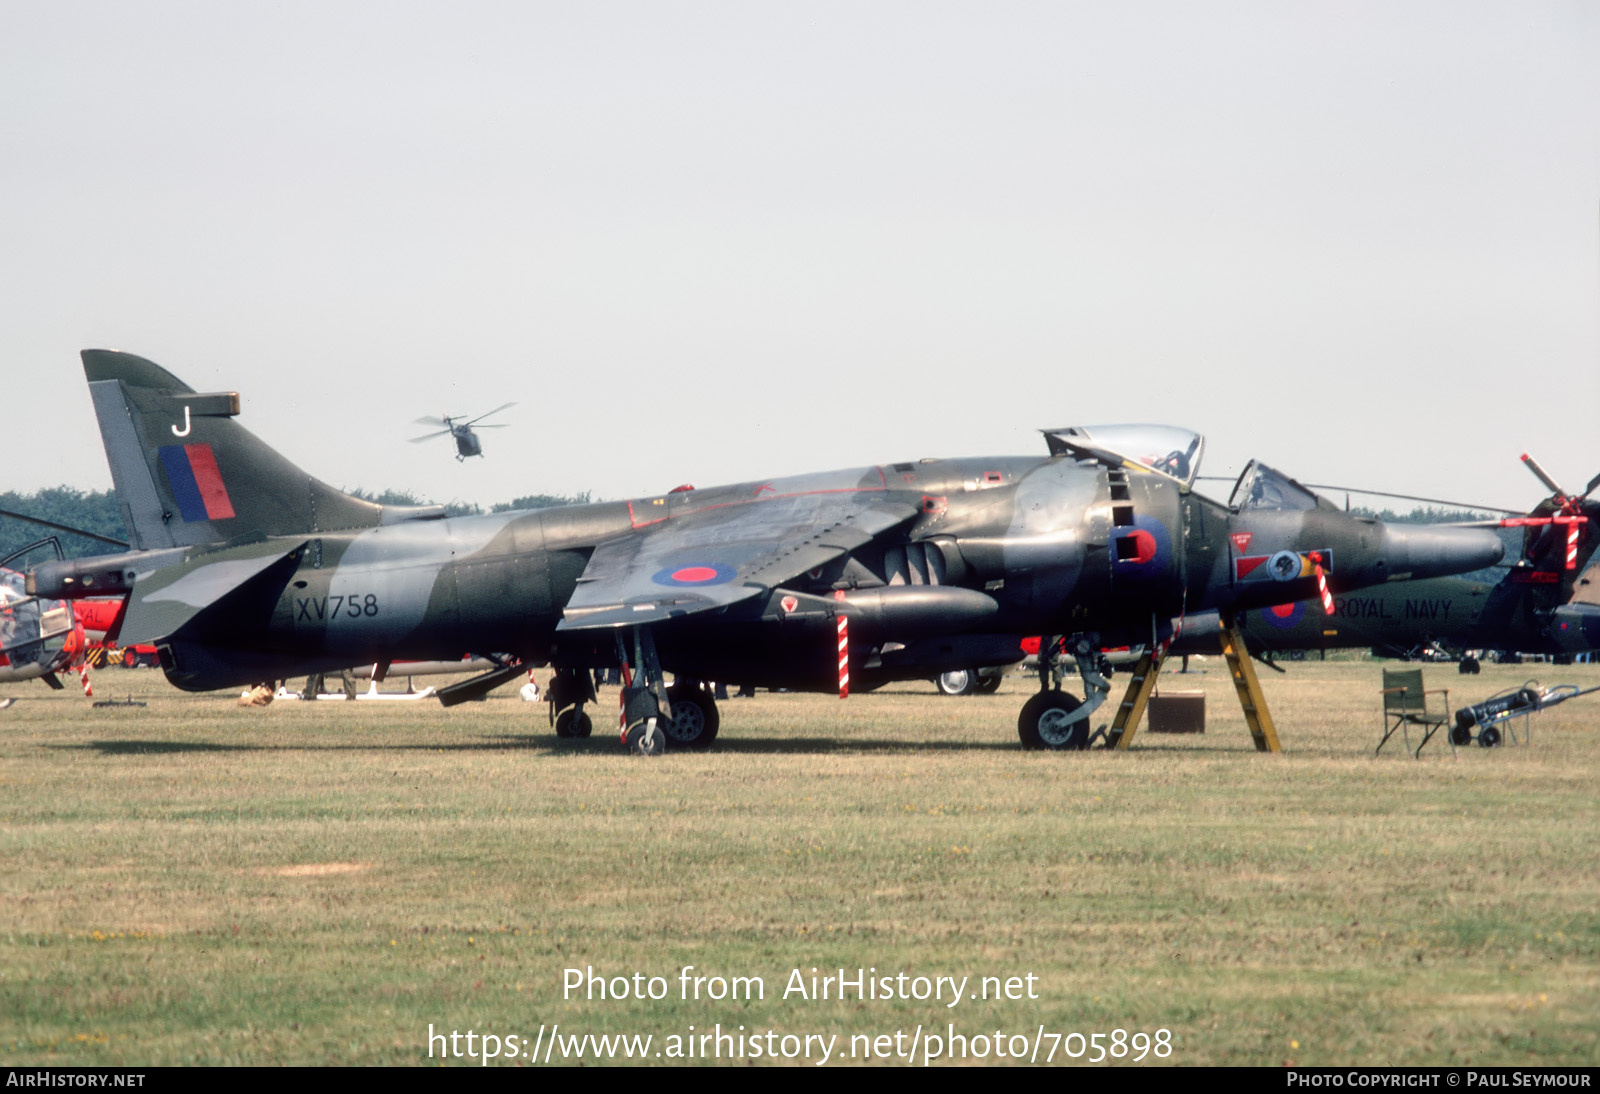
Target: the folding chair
(1405, 704)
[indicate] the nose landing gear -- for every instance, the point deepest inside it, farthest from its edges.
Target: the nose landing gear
(1057, 719)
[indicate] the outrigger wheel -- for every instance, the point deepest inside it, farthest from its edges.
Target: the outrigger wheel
(573, 722)
(569, 689)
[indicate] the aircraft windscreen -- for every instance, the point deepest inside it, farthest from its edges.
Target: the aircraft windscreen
(1169, 448)
(1260, 487)
(18, 624)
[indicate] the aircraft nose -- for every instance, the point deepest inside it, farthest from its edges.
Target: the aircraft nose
(1422, 550)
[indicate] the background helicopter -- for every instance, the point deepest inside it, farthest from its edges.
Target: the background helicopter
(467, 442)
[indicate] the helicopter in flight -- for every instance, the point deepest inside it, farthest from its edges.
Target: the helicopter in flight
(461, 429)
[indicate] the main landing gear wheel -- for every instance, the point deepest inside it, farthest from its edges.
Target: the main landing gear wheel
(1468, 666)
(641, 741)
(958, 682)
(988, 685)
(1045, 722)
(694, 720)
(573, 722)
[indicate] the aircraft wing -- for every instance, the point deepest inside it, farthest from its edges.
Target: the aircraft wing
(719, 556)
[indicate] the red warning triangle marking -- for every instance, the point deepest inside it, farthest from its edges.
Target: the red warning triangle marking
(1241, 541)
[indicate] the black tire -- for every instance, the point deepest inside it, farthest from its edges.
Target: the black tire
(988, 685)
(957, 682)
(573, 722)
(1489, 737)
(1460, 736)
(1469, 666)
(695, 719)
(1042, 723)
(634, 740)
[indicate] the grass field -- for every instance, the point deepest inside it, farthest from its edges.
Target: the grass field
(195, 882)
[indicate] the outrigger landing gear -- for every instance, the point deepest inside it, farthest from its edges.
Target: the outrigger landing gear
(645, 706)
(569, 690)
(1058, 719)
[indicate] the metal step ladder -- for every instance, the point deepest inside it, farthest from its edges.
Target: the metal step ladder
(1140, 686)
(1147, 672)
(1251, 699)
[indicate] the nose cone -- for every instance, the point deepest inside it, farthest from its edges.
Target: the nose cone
(1424, 550)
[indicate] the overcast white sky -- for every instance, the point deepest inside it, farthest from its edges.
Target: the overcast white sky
(705, 242)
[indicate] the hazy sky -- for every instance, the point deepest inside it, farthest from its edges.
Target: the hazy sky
(704, 242)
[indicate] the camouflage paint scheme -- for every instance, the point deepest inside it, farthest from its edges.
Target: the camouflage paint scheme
(248, 569)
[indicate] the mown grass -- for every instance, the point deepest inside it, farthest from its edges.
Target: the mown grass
(194, 882)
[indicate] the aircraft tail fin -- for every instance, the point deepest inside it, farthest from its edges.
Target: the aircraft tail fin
(186, 473)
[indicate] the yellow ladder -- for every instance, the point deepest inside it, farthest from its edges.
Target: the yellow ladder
(1251, 699)
(1134, 700)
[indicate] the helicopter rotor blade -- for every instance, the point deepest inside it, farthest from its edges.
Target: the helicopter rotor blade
(1413, 497)
(431, 436)
(1539, 472)
(64, 528)
(496, 410)
(1386, 494)
(1587, 490)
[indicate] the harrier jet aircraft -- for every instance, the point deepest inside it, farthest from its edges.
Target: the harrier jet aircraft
(248, 569)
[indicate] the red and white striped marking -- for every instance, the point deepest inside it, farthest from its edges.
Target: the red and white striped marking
(1322, 583)
(1167, 643)
(844, 649)
(622, 704)
(1572, 522)
(83, 674)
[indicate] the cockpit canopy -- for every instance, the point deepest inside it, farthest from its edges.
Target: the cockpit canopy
(1260, 487)
(1170, 449)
